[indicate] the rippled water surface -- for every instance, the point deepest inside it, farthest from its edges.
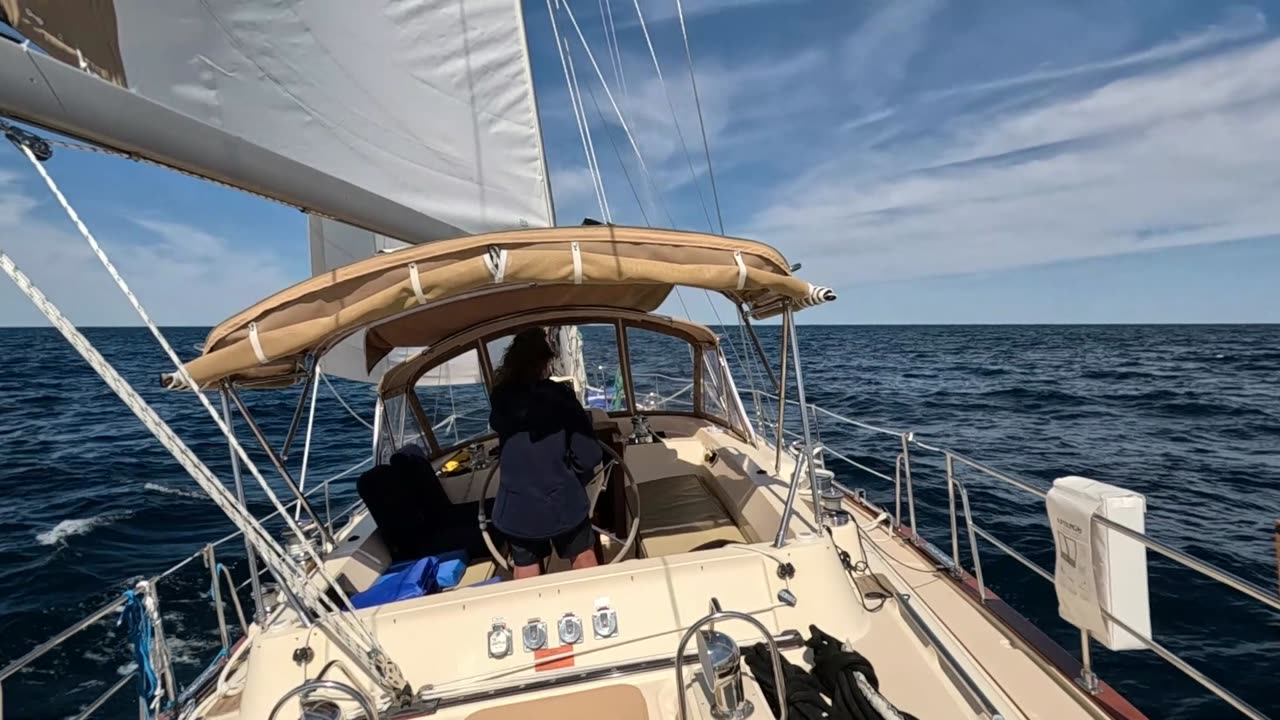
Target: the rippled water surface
(1188, 416)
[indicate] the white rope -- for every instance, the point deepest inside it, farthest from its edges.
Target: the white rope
(581, 121)
(161, 660)
(577, 262)
(742, 269)
(346, 628)
(657, 68)
(343, 402)
(306, 445)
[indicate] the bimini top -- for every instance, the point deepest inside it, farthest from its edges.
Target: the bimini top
(419, 295)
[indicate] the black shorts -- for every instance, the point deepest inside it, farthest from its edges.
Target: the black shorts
(568, 544)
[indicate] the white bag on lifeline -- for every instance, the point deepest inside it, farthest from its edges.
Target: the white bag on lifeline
(1096, 568)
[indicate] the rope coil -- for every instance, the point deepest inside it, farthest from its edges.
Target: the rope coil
(141, 618)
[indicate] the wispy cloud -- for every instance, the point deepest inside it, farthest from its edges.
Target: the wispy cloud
(182, 274)
(15, 204)
(1238, 25)
(1160, 156)
(875, 57)
(657, 12)
(669, 182)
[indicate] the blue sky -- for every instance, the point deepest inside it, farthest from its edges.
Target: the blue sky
(935, 161)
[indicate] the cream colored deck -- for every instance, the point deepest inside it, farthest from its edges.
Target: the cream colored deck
(440, 639)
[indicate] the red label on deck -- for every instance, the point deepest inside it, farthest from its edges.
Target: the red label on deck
(553, 658)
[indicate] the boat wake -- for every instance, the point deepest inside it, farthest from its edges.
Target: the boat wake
(59, 533)
(165, 489)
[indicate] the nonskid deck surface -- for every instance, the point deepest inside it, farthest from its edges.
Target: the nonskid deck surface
(440, 640)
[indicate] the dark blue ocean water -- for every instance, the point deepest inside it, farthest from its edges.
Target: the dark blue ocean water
(1189, 416)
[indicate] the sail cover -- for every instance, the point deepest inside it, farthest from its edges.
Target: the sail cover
(426, 103)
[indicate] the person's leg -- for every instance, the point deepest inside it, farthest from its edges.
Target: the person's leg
(519, 572)
(578, 545)
(527, 557)
(585, 559)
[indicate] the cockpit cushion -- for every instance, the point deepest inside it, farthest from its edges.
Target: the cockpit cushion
(680, 514)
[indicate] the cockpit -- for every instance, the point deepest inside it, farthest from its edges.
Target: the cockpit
(651, 384)
(678, 509)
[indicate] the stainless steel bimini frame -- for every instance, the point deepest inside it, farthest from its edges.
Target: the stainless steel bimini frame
(952, 563)
(805, 454)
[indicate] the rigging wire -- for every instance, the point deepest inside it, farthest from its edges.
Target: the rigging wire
(575, 93)
(618, 154)
(702, 126)
(715, 194)
(644, 168)
(606, 21)
(619, 67)
(675, 120)
(264, 544)
(578, 119)
(382, 668)
(605, 86)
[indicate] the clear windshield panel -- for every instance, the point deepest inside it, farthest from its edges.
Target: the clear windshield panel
(604, 370)
(661, 371)
(456, 406)
(399, 427)
(715, 392)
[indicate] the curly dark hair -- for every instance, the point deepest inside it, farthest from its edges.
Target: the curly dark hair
(526, 358)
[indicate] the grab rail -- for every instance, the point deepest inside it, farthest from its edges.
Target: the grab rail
(114, 606)
(779, 680)
(902, 471)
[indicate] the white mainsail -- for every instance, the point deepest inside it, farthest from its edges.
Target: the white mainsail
(424, 102)
(408, 120)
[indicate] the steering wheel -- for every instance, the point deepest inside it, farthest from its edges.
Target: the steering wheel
(594, 489)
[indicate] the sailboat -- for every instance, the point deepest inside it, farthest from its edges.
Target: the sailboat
(738, 577)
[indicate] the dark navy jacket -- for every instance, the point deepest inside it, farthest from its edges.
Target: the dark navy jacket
(548, 452)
